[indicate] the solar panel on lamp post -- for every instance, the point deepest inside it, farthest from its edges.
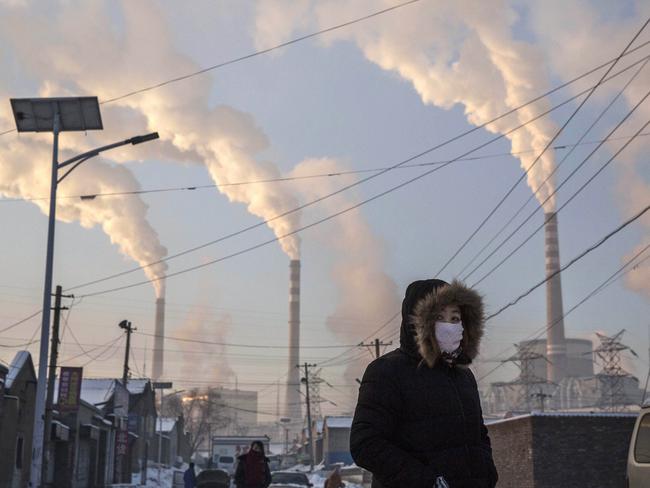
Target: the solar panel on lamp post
(56, 115)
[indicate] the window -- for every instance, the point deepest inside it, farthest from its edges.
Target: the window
(19, 452)
(226, 459)
(642, 443)
(290, 479)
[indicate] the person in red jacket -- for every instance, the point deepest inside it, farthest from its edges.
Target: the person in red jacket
(253, 468)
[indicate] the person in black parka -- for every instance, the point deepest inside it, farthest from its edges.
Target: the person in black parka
(418, 418)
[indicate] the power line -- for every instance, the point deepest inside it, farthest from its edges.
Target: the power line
(557, 167)
(260, 52)
(546, 219)
(305, 227)
(21, 321)
(402, 163)
(557, 189)
(546, 147)
(99, 357)
(570, 263)
(85, 353)
(283, 179)
(250, 346)
(621, 271)
(248, 56)
(352, 348)
(29, 342)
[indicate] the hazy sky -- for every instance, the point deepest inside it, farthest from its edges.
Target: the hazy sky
(367, 96)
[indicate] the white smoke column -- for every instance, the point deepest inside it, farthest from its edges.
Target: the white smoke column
(25, 173)
(367, 296)
(454, 53)
(224, 139)
(574, 47)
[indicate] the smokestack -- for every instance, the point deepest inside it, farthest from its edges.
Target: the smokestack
(159, 340)
(293, 410)
(556, 369)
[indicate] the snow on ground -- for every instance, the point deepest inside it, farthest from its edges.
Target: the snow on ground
(153, 481)
(317, 477)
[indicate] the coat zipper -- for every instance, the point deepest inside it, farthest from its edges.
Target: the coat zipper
(462, 410)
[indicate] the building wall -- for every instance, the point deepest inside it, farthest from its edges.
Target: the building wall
(568, 451)
(17, 423)
(142, 418)
(245, 401)
(575, 452)
(512, 449)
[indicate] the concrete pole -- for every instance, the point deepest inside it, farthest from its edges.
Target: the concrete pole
(49, 400)
(309, 429)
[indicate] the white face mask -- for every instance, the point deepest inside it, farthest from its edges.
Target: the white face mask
(448, 335)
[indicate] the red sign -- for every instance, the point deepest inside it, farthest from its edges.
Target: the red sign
(69, 389)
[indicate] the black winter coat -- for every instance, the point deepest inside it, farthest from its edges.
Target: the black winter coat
(419, 417)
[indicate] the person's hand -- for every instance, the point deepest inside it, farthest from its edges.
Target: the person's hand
(441, 482)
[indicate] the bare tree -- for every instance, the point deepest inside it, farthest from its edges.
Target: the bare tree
(202, 413)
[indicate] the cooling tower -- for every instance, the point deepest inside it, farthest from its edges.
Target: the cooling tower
(159, 340)
(293, 410)
(556, 351)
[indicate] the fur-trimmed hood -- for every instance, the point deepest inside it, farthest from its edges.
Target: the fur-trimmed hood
(423, 301)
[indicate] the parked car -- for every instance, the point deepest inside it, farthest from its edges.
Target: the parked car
(282, 479)
(638, 457)
(213, 478)
(227, 463)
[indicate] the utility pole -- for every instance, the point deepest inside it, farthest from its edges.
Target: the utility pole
(305, 380)
(377, 343)
(126, 325)
(647, 377)
(541, 396)
(49, 399)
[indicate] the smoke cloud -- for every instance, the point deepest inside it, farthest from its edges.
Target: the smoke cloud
(209, 359)
(109, 59)
(574, 46)
(25, 172)
(367, 296)
(456, 53)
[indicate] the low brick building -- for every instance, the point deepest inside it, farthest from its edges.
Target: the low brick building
(17, 421)
(568, 450)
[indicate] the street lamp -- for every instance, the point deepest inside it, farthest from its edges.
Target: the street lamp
(56, 115)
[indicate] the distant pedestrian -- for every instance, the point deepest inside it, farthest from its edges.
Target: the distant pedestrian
(253, 468)
(189, 478)
(418, 421)
(334, 480)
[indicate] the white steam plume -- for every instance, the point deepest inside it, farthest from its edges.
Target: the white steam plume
(25, 164)
(367, 295)
(457, 53)
(584, 35)
(107, 61)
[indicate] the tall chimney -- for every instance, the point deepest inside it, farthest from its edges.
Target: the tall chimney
(159, 340)
(556, 351)
(293, 410)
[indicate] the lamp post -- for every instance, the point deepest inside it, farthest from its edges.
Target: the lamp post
(56, 115)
